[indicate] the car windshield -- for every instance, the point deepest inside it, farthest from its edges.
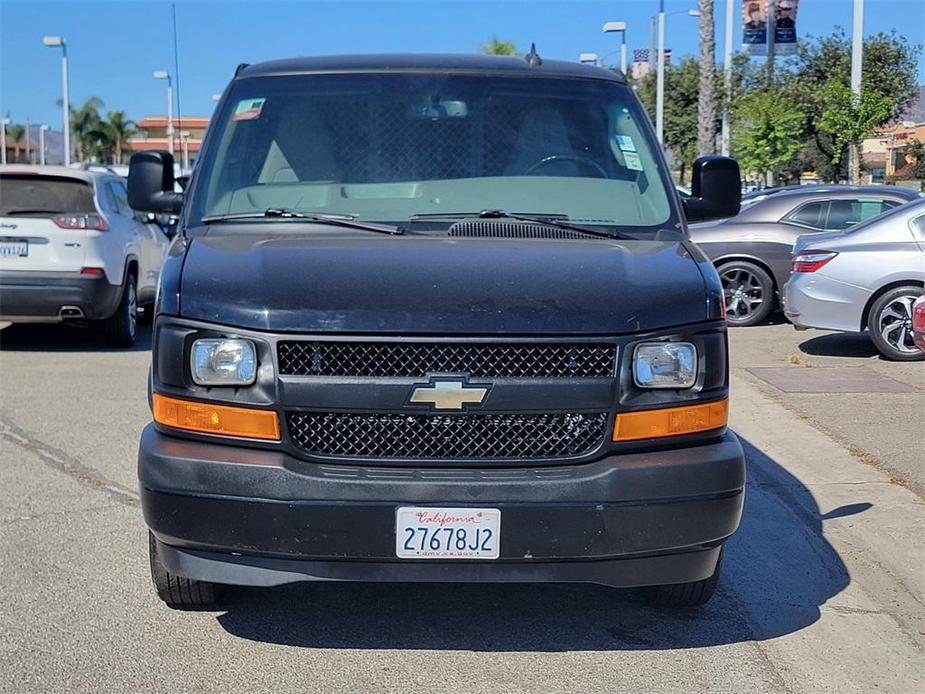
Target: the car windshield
(385, 148)
(29, 195)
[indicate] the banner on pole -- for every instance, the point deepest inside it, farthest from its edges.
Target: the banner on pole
(755, 27)
(785, 27)
(758, 16)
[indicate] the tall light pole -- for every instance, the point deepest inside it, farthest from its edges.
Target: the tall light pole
(164, 75)
(725, 137)
(42, 130)
(857, 59)
(3, 123)
(610, 27)
(660, 76)
(184, 139)
(55, 42)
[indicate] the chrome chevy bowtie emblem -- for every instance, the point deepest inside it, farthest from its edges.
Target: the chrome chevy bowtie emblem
(448, 395)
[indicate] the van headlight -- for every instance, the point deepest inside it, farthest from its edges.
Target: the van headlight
(223, 362)
(665, 365)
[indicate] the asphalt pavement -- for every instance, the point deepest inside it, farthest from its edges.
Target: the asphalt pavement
(823, 587)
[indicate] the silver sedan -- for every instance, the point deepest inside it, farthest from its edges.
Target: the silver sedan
(865, 278)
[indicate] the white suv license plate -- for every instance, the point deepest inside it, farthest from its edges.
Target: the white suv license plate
(447, 533)
(14, 248)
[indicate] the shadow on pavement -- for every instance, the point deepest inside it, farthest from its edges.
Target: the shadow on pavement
(840, 345)
(57, 337)
(778, 570)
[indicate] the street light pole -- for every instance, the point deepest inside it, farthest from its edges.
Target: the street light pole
(54, 42)
(726, 137)
(164, 75)
(42, 129)
(610, 27)
(184, 139)
(660, 77)
(857, 59)
(3, 123)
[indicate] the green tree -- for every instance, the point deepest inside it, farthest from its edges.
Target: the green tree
(889, 71)
(848, 118)
(767, 132)
(682, 90)
(496, 46)
(16, 132)
(86, 130)
(113, 133)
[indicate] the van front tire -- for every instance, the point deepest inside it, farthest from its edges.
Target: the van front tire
(178, 591)
(691, 594)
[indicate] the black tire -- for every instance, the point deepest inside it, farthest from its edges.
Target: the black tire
(121, 327)
(147, 314)
(684, 594)
(178, 591)
(890, 324)
(748, 291)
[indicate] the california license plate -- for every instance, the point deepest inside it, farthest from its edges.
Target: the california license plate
(447, 533)
(14, 248)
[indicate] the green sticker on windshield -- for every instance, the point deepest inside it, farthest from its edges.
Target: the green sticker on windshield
(633, 162)
(625, 143)
(248, 109)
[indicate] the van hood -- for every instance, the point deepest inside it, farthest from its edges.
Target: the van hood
(362, 283)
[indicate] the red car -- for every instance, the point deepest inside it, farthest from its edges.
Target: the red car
(918, 321)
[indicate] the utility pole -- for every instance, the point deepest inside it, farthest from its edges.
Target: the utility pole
(660, 77)
(3, 123)
(725, 138)
(42, 129)
(772, 27)
(857, 59)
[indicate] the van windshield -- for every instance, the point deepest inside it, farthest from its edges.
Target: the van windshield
(387, 147)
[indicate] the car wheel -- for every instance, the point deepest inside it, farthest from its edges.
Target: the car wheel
(890, 324)
(147, 313)
(685, 594)
(122, 326)
(748, 292)
(178, 591)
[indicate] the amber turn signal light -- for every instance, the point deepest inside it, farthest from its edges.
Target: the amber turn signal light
(670, 421)
(209, 418)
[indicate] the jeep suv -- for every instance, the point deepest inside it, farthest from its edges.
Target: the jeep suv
(71, 248)
(436, 318)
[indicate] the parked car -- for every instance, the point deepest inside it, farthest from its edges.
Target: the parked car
(918, 322)
(752, 251)
(865, 278)
(435, 330)
(71, 248)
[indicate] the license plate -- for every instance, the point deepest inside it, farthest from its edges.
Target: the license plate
(447, 533)
(14, 248)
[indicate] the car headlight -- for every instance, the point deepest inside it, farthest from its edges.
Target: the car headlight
(223, 362)
(665, 365)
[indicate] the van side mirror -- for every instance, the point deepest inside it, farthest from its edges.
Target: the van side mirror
(150, 183)
(716, 189)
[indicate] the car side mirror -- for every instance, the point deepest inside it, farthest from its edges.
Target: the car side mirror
(150, 183)
(716, 189)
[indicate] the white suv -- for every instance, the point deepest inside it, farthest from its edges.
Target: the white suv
(71, 248)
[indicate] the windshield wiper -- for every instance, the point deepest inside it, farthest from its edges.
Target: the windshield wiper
(550, 220)
(342, 220)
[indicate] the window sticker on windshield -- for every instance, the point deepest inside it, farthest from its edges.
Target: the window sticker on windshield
(633, 162)
(248, 109)
(625, 143)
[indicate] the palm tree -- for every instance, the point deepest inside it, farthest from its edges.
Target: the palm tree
(706, 104)
(16, 132)
(496, 46)
(86, 128)
(116, 131)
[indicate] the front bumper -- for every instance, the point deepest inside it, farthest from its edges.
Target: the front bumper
(27, 297)
(257, 517)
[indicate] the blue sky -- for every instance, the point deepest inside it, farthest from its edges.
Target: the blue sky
(113, 47)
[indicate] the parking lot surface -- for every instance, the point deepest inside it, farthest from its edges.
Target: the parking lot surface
(823, 588)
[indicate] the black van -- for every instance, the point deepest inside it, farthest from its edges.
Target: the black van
(436, 318)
